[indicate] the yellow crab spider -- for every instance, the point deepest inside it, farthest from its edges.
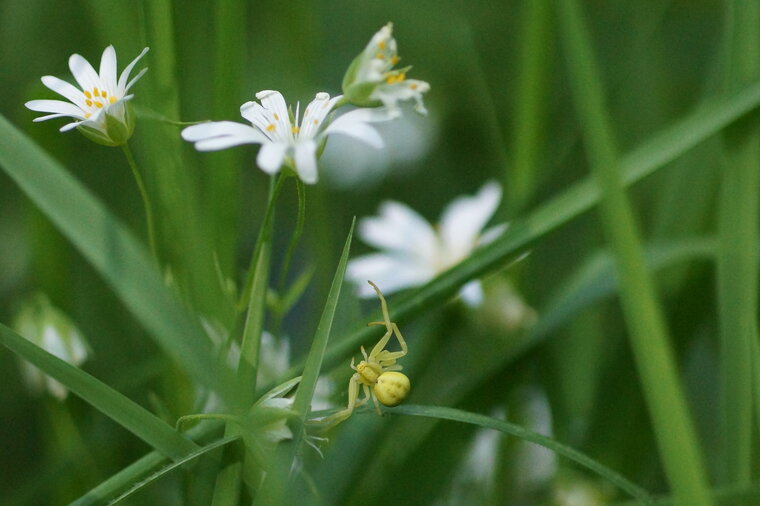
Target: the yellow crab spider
(378, 374)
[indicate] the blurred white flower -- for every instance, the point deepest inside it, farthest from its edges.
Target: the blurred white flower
(414, 252)
(572, 489)
(371, 77)
(47, 327)
(99, 105)
(286, 140)
(347, 164)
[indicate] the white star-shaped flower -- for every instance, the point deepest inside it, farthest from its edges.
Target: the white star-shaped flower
(414, 252)
(286, 140)
(372, 78)
(98, 106)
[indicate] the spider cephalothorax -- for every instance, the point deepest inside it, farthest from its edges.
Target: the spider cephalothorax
(378, 374)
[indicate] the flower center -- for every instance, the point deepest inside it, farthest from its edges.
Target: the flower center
(97, 99)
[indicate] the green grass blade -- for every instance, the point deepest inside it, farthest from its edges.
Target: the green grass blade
(122, 410)
(674, 432)
(458, 415)
(530, 100)
(174, 465)
(275, 486)
(313, 364)
(113, 251)
(737, 259)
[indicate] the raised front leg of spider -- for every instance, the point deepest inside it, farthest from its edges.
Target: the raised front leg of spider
(378, 374)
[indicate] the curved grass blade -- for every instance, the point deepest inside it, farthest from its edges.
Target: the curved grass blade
(122, 410)
(174, 465)
(458, 415)
(113, 251)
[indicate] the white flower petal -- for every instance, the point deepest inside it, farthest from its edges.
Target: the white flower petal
(359, 131)
(399, 228)
(64, 89)
(464, 218)
(70, 126)
(391, 273)
(50, 116)
(306, 161)
(365, 115)
(315, 113)
(492, 233)
(55, 106)
(108, 69)
(218, 135)
(203, 131)
(83, 72)
(124, 77)
(135, 79)
(271, 156)
(472, 293)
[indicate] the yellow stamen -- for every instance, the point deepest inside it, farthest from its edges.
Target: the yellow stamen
(294, 129)
(394, 59)
(95, 92)
(413, 86)
(271, 127)
(381, 44)
(103, 94)
(316, 122)
(88, 94)
(112, 99)
(397, 78)
(88, 102)
(276, 117)
(380, 56)
(87, 115)
(98, 105)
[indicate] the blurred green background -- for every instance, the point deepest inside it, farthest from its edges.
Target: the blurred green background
(500, 108)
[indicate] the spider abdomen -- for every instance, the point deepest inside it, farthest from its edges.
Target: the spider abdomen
(391, 388)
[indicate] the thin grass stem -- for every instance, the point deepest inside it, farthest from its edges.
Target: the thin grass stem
(147, 205)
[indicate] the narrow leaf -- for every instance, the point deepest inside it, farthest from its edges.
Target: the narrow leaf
(111, 403)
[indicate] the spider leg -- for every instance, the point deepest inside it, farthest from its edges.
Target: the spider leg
(374, 399)
(383, 305)
(353, 392)
(363, 401)
(381, 344)
(394, 355)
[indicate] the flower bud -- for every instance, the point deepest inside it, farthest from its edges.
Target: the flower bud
(47, 327)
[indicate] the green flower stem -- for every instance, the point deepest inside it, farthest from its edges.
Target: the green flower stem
(280, 310)
(737, 270)
(275, 187)
(674, 432)
(301, 188)
(145, 198)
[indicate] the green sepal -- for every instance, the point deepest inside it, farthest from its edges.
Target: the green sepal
(117, 130)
